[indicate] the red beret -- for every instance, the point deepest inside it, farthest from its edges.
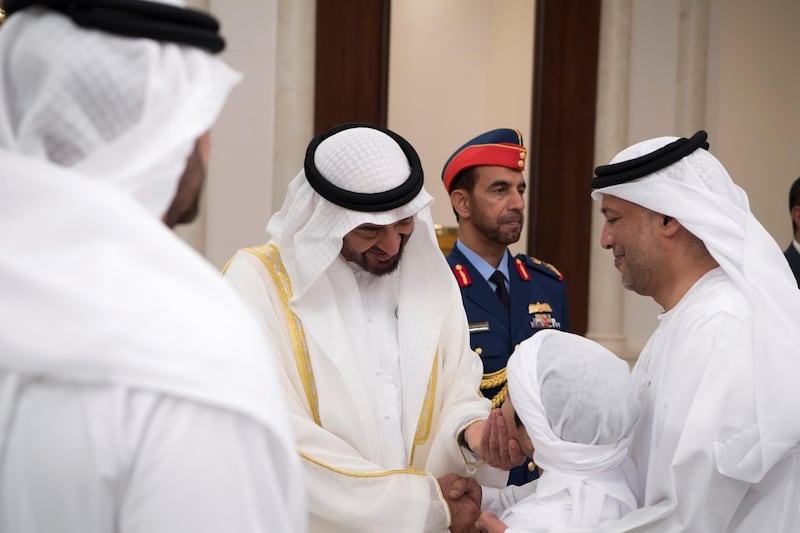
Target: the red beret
(501, 147)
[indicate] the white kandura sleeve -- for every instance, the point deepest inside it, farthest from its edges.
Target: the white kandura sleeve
(497, 500)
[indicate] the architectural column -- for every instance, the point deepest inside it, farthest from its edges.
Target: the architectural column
(693, 29)
(240, 170)
(294, 95)
(611, 132)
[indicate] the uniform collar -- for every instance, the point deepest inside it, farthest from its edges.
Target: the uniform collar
(480, 264)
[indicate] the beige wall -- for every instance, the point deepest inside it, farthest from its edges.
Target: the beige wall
(735, 67)
(458, 68)
(756, 115)
(259, 140)
(752, 109)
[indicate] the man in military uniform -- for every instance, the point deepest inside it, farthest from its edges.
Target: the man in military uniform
(507, 298)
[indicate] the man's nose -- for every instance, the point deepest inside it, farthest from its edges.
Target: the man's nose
(517, 201)
(390, 242)
(605, 238)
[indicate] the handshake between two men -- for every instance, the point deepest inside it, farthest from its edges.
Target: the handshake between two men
(492, 441)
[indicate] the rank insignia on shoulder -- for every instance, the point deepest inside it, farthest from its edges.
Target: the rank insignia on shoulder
(462, 276)
(549, 267)
(522, 270)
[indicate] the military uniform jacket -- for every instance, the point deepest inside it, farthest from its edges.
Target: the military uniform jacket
(538, 301)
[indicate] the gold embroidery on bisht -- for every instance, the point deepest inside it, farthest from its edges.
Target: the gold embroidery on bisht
(270, 257)
(426, 413)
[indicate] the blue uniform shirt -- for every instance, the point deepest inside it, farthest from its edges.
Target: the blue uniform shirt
(538, 301)
(486, 270)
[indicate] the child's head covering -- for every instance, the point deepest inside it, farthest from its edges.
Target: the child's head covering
(578, 404)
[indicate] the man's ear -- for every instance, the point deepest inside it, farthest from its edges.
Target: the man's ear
(669, 226)
(460, 201)
(795, 212)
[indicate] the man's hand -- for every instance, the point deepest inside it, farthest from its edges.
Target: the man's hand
(491, 442)
(455, 487)
(489, 523)
(463, 497)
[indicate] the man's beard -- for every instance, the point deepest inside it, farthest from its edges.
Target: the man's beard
(372, 265)
(495, 232)
(185, 204)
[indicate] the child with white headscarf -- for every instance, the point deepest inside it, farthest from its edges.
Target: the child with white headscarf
(572, 404)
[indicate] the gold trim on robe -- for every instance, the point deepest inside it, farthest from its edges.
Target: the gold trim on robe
(269, 255)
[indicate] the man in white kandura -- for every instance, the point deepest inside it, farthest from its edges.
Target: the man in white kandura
(717, 446)
(137, 393)
(373, 341)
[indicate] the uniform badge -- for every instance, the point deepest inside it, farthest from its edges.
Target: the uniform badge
(478, 327)
(462, 276)
(539, 308)
(542, 316)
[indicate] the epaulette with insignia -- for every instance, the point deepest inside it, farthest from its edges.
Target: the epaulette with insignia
(462, 276)
(540, 265)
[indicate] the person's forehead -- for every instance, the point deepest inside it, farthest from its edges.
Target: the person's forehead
(614, 203)
(492, 173)
(371, 225)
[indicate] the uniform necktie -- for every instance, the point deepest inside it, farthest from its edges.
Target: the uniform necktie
(500, 280)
